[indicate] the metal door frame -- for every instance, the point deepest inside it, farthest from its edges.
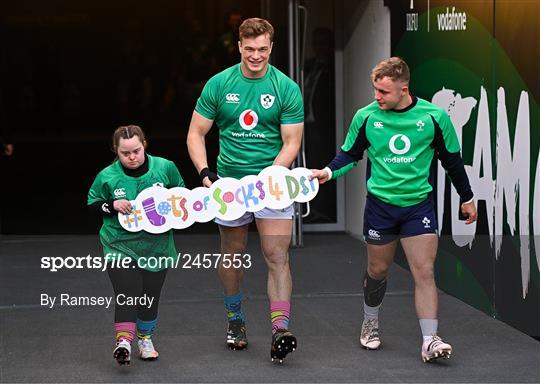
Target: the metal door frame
(296, 19)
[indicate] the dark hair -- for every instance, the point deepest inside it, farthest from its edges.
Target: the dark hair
(255, 27)
(395, 68)
(127, 132)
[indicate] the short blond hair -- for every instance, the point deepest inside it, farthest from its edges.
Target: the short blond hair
(255, 27)
(395, 68)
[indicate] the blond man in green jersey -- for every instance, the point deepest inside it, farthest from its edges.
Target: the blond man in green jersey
(401, 134)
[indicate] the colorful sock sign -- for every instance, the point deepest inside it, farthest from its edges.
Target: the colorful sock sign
(275, 187)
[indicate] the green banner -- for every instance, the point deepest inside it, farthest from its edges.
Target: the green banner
(479, 61)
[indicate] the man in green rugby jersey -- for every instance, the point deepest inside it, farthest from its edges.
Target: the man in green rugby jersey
(260, 116)
(402, 134)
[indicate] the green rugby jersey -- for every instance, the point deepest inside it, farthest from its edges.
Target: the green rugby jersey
(401, 146)
(248, 113)
(112, 184)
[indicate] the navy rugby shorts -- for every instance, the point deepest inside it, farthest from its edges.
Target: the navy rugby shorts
(384, 222)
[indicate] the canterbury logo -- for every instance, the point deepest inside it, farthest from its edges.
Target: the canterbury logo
(119, 192)
(232, 98)
(105, 208)
(378, 125)
(374, 234)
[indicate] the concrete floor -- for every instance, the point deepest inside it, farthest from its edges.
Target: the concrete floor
(74, 344)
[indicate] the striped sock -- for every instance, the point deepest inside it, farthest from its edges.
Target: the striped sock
(233, 305)
(280, 312)
(145, 329)
(124, 331)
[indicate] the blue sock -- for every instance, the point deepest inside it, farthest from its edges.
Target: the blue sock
(233, 305)
(145, 329)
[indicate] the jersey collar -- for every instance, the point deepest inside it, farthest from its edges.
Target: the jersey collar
(410, 106)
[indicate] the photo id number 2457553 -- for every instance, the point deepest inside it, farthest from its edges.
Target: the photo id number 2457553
(208, 261)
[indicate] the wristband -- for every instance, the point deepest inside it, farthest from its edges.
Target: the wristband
(205, 172)
(329, 172)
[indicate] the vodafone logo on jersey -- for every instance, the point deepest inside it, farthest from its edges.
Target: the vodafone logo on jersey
(405, 146)
(400, 145)
(248, 120)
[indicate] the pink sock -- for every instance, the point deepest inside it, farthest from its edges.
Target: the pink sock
(125, 331)
(280, 312)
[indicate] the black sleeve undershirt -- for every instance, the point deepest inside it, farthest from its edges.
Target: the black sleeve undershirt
(356, 152)
(453, 164)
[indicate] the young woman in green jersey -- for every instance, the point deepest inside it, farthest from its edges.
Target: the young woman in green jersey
(131, 172)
